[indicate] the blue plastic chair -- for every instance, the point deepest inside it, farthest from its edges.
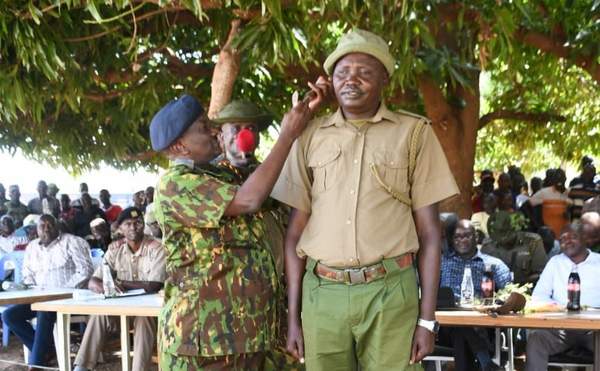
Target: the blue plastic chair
(15, 261)
(96, 253)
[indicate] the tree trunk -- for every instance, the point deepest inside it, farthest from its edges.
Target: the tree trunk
(456, 129)
(225, 73)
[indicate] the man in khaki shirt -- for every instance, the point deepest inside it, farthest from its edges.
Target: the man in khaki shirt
(139, 262)
(358, 220)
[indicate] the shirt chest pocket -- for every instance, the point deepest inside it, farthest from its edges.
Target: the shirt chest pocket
(325, 167)
(392, 168)
(58, 261)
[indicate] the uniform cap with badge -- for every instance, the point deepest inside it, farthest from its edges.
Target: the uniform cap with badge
(129, 213)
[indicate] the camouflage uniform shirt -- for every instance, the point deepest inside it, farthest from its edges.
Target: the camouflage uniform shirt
(221, 280)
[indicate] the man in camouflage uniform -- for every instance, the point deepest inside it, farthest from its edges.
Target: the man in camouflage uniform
(240, 120)
(220, 310)
(243, 121)
(522, 252)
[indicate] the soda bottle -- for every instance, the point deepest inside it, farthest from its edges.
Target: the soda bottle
(574, 290)
(487, 284)
(467, 289)
(107, 280)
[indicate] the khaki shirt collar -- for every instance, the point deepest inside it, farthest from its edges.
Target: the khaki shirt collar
(145, 242)
(338, 118)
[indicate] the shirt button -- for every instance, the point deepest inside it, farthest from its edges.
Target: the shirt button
(359, 133)
(318, 164)
(355, 161)
(391, 162)
(348, 221)
(351, 191)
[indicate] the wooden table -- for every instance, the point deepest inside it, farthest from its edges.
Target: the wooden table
(132, 306)
(585, 320)
(31, 296)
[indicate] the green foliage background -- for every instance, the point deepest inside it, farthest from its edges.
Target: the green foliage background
(80, 80)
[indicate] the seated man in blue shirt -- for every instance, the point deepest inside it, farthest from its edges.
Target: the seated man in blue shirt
(552, 289)
(469, 341)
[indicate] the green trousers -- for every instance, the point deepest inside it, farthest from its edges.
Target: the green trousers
(370, 324)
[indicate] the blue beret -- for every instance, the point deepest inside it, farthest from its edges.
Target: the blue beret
(172, 120)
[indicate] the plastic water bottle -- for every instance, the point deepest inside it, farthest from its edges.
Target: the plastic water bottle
(107, 281)
(574, 291)
(467, 290)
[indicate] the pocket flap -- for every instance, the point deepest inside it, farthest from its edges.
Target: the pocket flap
(390, 159)
(324, 157)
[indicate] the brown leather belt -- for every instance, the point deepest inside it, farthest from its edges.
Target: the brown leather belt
(353, 276)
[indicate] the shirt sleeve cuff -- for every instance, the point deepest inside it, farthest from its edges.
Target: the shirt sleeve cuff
(292, 195)
(433, 191)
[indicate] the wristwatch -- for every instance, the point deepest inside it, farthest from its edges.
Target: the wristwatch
(433, 326)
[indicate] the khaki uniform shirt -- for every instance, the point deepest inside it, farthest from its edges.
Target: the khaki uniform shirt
(146, 264)
(354, 221)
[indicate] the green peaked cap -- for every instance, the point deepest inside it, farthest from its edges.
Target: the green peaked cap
(244, 111)
(361, 41)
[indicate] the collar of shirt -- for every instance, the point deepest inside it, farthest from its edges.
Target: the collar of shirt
(589, 259)
(339, 120)
(452, 254)
(145, 242)
(183, 161)
(52, 243)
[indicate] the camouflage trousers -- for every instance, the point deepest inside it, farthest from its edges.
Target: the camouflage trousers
(238, 362)
(279, 360)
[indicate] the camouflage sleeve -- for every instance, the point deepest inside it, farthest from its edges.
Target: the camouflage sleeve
(195, 200)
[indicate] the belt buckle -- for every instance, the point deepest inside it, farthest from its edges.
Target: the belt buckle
(354, 276)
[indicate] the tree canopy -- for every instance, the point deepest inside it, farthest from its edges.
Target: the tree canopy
(81, 80)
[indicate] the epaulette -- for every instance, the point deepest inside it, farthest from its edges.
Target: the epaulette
(411, 114)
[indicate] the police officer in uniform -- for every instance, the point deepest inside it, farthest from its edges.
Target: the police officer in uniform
(242, 122)
(523, 252)
(364, 184)
(219, 310)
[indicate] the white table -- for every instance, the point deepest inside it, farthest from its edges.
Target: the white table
(31, 296)
(132, 306)
(585, 320)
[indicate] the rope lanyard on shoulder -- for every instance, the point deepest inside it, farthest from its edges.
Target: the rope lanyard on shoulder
(415, 135)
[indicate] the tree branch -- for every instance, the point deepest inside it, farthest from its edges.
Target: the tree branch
(555, 45)
(535, 117)
(225, 72)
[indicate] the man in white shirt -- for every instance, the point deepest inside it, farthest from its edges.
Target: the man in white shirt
(552, 288)
(54, 260)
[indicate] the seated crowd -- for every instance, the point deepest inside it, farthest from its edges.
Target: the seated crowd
(58, 239)
(519, 234)
(523, 237)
